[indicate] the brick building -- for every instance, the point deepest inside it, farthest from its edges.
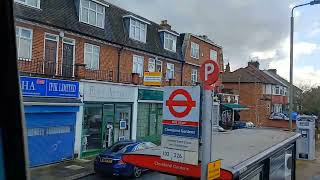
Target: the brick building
(260, 92)
(106, 50)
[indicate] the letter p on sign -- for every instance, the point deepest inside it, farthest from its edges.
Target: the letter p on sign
(209, 72)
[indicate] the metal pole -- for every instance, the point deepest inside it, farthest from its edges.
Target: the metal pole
(206, 131)
(291, 71)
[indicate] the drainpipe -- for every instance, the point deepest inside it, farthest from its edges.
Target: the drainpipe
(182, 73)
(119, 57)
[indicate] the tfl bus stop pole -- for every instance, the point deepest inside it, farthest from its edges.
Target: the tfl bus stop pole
(206, 131)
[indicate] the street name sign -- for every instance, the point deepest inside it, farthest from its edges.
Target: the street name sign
(180, 134)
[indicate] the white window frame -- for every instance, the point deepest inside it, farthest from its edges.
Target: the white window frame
(134, 27)
(31, 41)
(168, 37)
(195, 48)
(71, 42)
(152, 65)
(216, 55)
(92, 55)
(138, 60)
(81, 19)
(194, 75)
(51, 37)
(158, 62)
(154, 62)
(170, 67)
(26, 3)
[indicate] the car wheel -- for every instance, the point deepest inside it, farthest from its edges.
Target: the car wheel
(137, 172)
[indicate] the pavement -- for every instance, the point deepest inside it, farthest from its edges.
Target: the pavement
(83, 169)
(66, 170)
(309, 170)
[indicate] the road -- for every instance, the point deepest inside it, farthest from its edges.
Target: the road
(146, 176)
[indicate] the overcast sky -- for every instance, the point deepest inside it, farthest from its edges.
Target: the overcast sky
(245, 28)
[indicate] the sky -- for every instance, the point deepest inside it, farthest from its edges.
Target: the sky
(246, 29)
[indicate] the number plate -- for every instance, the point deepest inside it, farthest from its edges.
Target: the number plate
(106, 160)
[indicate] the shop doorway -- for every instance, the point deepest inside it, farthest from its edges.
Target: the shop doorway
(104, 125)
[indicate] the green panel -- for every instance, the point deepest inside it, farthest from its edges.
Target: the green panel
(91, 153)
(236, 106)
(147, 94)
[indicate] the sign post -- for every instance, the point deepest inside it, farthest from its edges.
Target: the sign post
(180, 135)
(209, 74)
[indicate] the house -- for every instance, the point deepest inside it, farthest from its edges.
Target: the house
(260, 92)
(101, 53)
(296, 91)
(196, 49)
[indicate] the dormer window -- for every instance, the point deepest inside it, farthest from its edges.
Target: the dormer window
(32, 3)
(92, 13)
(170, 42)
(138, 30)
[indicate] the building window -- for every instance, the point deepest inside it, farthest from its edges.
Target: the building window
(170, 42)
(277, 90)
(170, 71)
(213, 55)
(138, 30)
(91, 56)
(154, 65)
(137, 65)
(92, 13)
(194, 75)
(24, 43)
(195, 50)
(32, 3)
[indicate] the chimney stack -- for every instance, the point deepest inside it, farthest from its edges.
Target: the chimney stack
(164, 24)
(274, 71)
(255, 64)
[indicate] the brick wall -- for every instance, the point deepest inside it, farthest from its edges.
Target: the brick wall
(204, 55)
(108, 64)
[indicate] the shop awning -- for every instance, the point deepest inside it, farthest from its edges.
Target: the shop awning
(237, 107)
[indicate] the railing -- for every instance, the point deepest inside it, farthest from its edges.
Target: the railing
(46, 68)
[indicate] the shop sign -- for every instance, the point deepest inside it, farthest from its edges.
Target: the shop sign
(43, 87)
(180, 135)
(149, 94)
(152, 78)
(101, 92)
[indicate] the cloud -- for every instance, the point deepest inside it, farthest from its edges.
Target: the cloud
(244, 29)
(315, 30)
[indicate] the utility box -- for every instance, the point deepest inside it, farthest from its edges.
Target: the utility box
(306, 142)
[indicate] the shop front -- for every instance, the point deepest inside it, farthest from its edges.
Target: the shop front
(107, 116)
(50, 108)
(149, 121)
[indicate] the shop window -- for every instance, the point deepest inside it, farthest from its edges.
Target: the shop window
(149, 126)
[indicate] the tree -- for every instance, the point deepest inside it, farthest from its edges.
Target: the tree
(311, 100)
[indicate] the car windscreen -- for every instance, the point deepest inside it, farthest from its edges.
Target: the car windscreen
(119, 148)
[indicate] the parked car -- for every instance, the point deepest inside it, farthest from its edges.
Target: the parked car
(110, 161)
(279, 116)
(243, 124)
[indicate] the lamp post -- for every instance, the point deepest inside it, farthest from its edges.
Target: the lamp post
(291, 58)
